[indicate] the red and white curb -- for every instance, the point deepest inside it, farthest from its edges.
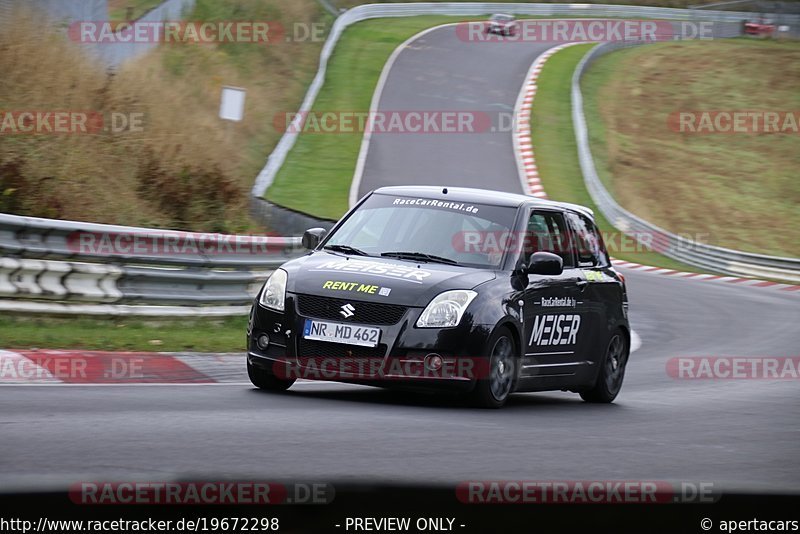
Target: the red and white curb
(532, 185)
(523, 147)
(65, 367)
(751, 282)
(103, 368)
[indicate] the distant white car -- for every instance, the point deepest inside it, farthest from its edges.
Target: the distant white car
(502, 24)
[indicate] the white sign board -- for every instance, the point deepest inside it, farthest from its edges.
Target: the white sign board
(231, 106)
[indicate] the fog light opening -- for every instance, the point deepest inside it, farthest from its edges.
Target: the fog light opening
(263, 341)
(433, 362)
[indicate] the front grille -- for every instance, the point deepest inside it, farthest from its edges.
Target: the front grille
(364, 312)
(311, 348)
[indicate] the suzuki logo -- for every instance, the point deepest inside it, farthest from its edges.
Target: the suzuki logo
(347, 311)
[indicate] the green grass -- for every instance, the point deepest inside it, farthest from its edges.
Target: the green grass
(553, 139)
(206, 335)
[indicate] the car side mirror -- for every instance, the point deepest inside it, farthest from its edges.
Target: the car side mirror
(313, 237)
(545, 263)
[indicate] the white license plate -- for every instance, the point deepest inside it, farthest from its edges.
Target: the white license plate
(349, 334)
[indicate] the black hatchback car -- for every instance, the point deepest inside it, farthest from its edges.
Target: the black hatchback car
(488, 293)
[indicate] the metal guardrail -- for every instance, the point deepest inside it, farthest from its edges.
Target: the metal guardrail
(718, 259)
(36, 238)
(373, 11)
(59, 266)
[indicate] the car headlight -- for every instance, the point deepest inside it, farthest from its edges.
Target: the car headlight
(273, 295)
(446, 309)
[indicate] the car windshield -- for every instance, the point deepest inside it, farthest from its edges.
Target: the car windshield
(425, 230)
(502, 18)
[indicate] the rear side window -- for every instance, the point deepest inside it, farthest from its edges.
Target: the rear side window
(588, 244)
(547, 232)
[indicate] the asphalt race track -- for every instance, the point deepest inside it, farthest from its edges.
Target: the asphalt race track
(439, 71)
(739, 434)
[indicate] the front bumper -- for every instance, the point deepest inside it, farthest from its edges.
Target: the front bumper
(399, 359)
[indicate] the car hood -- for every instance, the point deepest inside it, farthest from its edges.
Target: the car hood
(378, 279)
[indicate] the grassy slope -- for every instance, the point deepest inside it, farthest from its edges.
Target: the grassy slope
(741, 190)
(206, 335)
(553, 140)
(186, 169)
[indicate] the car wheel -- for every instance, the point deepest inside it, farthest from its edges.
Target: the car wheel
(263, 379)
(612, 372)
(493, 390)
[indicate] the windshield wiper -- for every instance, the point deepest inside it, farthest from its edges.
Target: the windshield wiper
(419, 256)
(347, 249)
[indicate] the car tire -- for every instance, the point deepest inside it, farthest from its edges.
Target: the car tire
(494, 390)
(263, 379)
(612, 371)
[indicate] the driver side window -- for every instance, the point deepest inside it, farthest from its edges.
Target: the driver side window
(547, 232)
(589, 244)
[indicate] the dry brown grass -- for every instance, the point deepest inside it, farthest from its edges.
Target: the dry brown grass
(739, 189)
(186, 168)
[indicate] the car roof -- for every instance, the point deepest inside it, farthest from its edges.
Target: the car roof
(483, 196)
